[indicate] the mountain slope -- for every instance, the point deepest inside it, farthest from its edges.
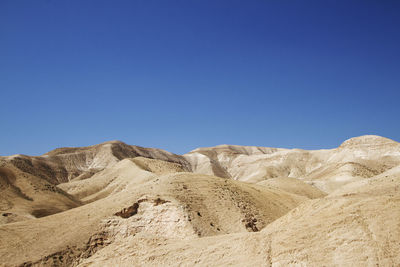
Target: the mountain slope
(355, 159)
(28, 185)
(115, 204)
(173, 206)
(358, 228)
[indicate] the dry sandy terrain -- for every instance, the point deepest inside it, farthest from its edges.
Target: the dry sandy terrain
(114, 204)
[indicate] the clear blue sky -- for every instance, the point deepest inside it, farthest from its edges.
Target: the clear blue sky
(183, 74)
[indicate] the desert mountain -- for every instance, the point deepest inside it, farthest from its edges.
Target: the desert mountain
(115, 204)
(29, 184)
(355, 159)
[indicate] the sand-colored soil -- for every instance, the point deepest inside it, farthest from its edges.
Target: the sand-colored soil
(114, 204)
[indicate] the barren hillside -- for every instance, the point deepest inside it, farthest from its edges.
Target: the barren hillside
(115, 204)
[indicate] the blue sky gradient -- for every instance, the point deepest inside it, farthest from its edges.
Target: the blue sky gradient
(184, 74)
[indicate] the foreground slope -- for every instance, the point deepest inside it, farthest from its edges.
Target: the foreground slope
(174, 206)
(357, 227)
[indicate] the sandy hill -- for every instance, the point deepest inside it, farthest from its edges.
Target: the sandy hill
(24, 196)
(329, 169)
(29, 184)
(171, 206)
(114, 204)
(294, 186)
(355, 229)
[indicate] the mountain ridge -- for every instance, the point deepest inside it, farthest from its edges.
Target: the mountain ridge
(116, 204)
